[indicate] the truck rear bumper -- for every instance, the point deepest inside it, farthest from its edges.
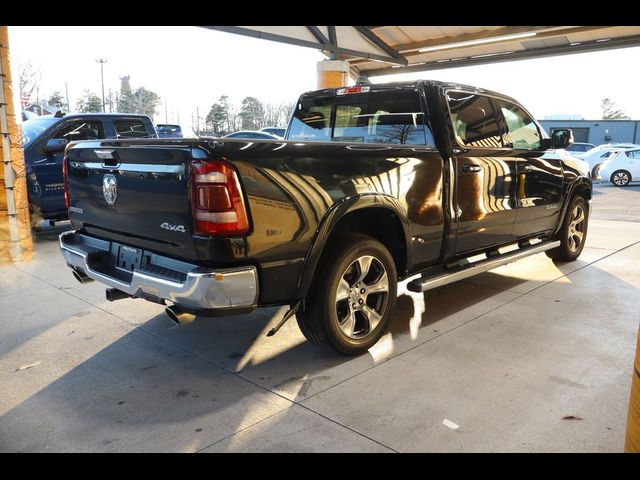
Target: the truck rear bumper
(163, 278)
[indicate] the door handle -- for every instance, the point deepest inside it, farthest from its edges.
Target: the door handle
(524, 168)
(471, 168)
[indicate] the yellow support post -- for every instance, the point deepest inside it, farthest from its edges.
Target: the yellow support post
(632, 443)
(16, 243)
(332, 74)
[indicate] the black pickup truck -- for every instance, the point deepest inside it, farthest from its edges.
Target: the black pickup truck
(373, 184)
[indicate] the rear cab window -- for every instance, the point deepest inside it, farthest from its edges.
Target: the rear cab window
(131, 128)
(387, 117)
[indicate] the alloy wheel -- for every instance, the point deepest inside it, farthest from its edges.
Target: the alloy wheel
(361, 297)
(576, 228)
(620, 178)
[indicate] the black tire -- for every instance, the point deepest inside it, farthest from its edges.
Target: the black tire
(573, 233)
(320, 318)
(620, 178)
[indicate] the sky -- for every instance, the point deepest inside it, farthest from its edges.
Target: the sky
(191, 67)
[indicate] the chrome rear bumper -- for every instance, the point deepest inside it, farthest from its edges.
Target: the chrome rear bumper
(190, 286)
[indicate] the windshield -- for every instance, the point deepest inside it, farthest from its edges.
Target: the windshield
(32, 129)
(168, 128)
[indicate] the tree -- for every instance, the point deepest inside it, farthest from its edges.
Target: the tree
(609, 111)
(29, 79)
(89, 102)
(139, 100)
(252, 114)
(277, 114)
(218, 116)
(57, 100)
(146, 102)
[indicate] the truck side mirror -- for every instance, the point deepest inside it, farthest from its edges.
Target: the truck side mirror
(55, 145)
(561, 138)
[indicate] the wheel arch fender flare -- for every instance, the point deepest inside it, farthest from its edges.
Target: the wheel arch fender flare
(333, 216)
(581, 185)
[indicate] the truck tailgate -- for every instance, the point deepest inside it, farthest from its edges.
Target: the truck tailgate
(135, 194)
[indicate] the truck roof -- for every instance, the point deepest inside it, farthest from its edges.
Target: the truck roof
(412, 84)
(101, 114)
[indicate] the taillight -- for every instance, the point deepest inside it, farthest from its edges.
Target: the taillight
(218, 205)
(64, 179)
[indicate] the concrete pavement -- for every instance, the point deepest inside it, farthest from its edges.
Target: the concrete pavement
(506, 355)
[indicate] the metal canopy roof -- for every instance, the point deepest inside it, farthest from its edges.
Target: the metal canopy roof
(381, 50)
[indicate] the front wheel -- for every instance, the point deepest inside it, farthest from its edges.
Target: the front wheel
(620, 178)
(349, 303)
(573, 233)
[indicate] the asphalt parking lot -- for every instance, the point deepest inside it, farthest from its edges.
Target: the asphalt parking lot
(532, 357)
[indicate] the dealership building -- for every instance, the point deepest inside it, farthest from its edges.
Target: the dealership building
(598, 131)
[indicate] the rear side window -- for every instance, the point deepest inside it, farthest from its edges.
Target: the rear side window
(474, 120)
(522, 132)
(130, 129)
(376, 117)
(81, 131)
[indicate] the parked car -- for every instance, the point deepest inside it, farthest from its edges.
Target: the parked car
(600, 153)
(373, 185)
(166, 130)
(621, 168)
(252, 134)
(45, 139)
(277, 131)
(580, 147)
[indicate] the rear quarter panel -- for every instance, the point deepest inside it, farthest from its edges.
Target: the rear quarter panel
(297, 191)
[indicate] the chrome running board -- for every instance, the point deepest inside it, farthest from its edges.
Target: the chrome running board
(470, 269)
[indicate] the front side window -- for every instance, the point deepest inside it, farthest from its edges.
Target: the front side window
(374, 117)
(633, 154)
(522, 132)
(81, 131)
(130, 129)
(474, 120)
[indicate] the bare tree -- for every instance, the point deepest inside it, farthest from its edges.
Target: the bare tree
(277, 114)
(29, 78)
(610, 112)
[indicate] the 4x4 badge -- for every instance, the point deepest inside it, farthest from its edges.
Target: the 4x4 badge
(110, 188)
(173, 228)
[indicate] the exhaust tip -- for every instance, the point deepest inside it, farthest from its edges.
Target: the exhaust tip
(178, 316)
(81, 277)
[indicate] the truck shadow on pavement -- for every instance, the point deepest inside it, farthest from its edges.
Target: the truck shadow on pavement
(114, 385)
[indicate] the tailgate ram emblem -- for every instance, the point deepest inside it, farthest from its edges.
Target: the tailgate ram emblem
(110, 188)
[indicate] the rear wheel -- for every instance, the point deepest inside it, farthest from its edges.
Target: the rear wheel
(620, 178)
(573, 233)
(352, 296)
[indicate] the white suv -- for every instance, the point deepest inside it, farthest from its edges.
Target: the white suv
(621, 168)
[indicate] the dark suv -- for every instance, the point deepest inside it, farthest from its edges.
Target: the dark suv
(166, 130)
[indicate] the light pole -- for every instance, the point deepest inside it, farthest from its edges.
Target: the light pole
(102, 61)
